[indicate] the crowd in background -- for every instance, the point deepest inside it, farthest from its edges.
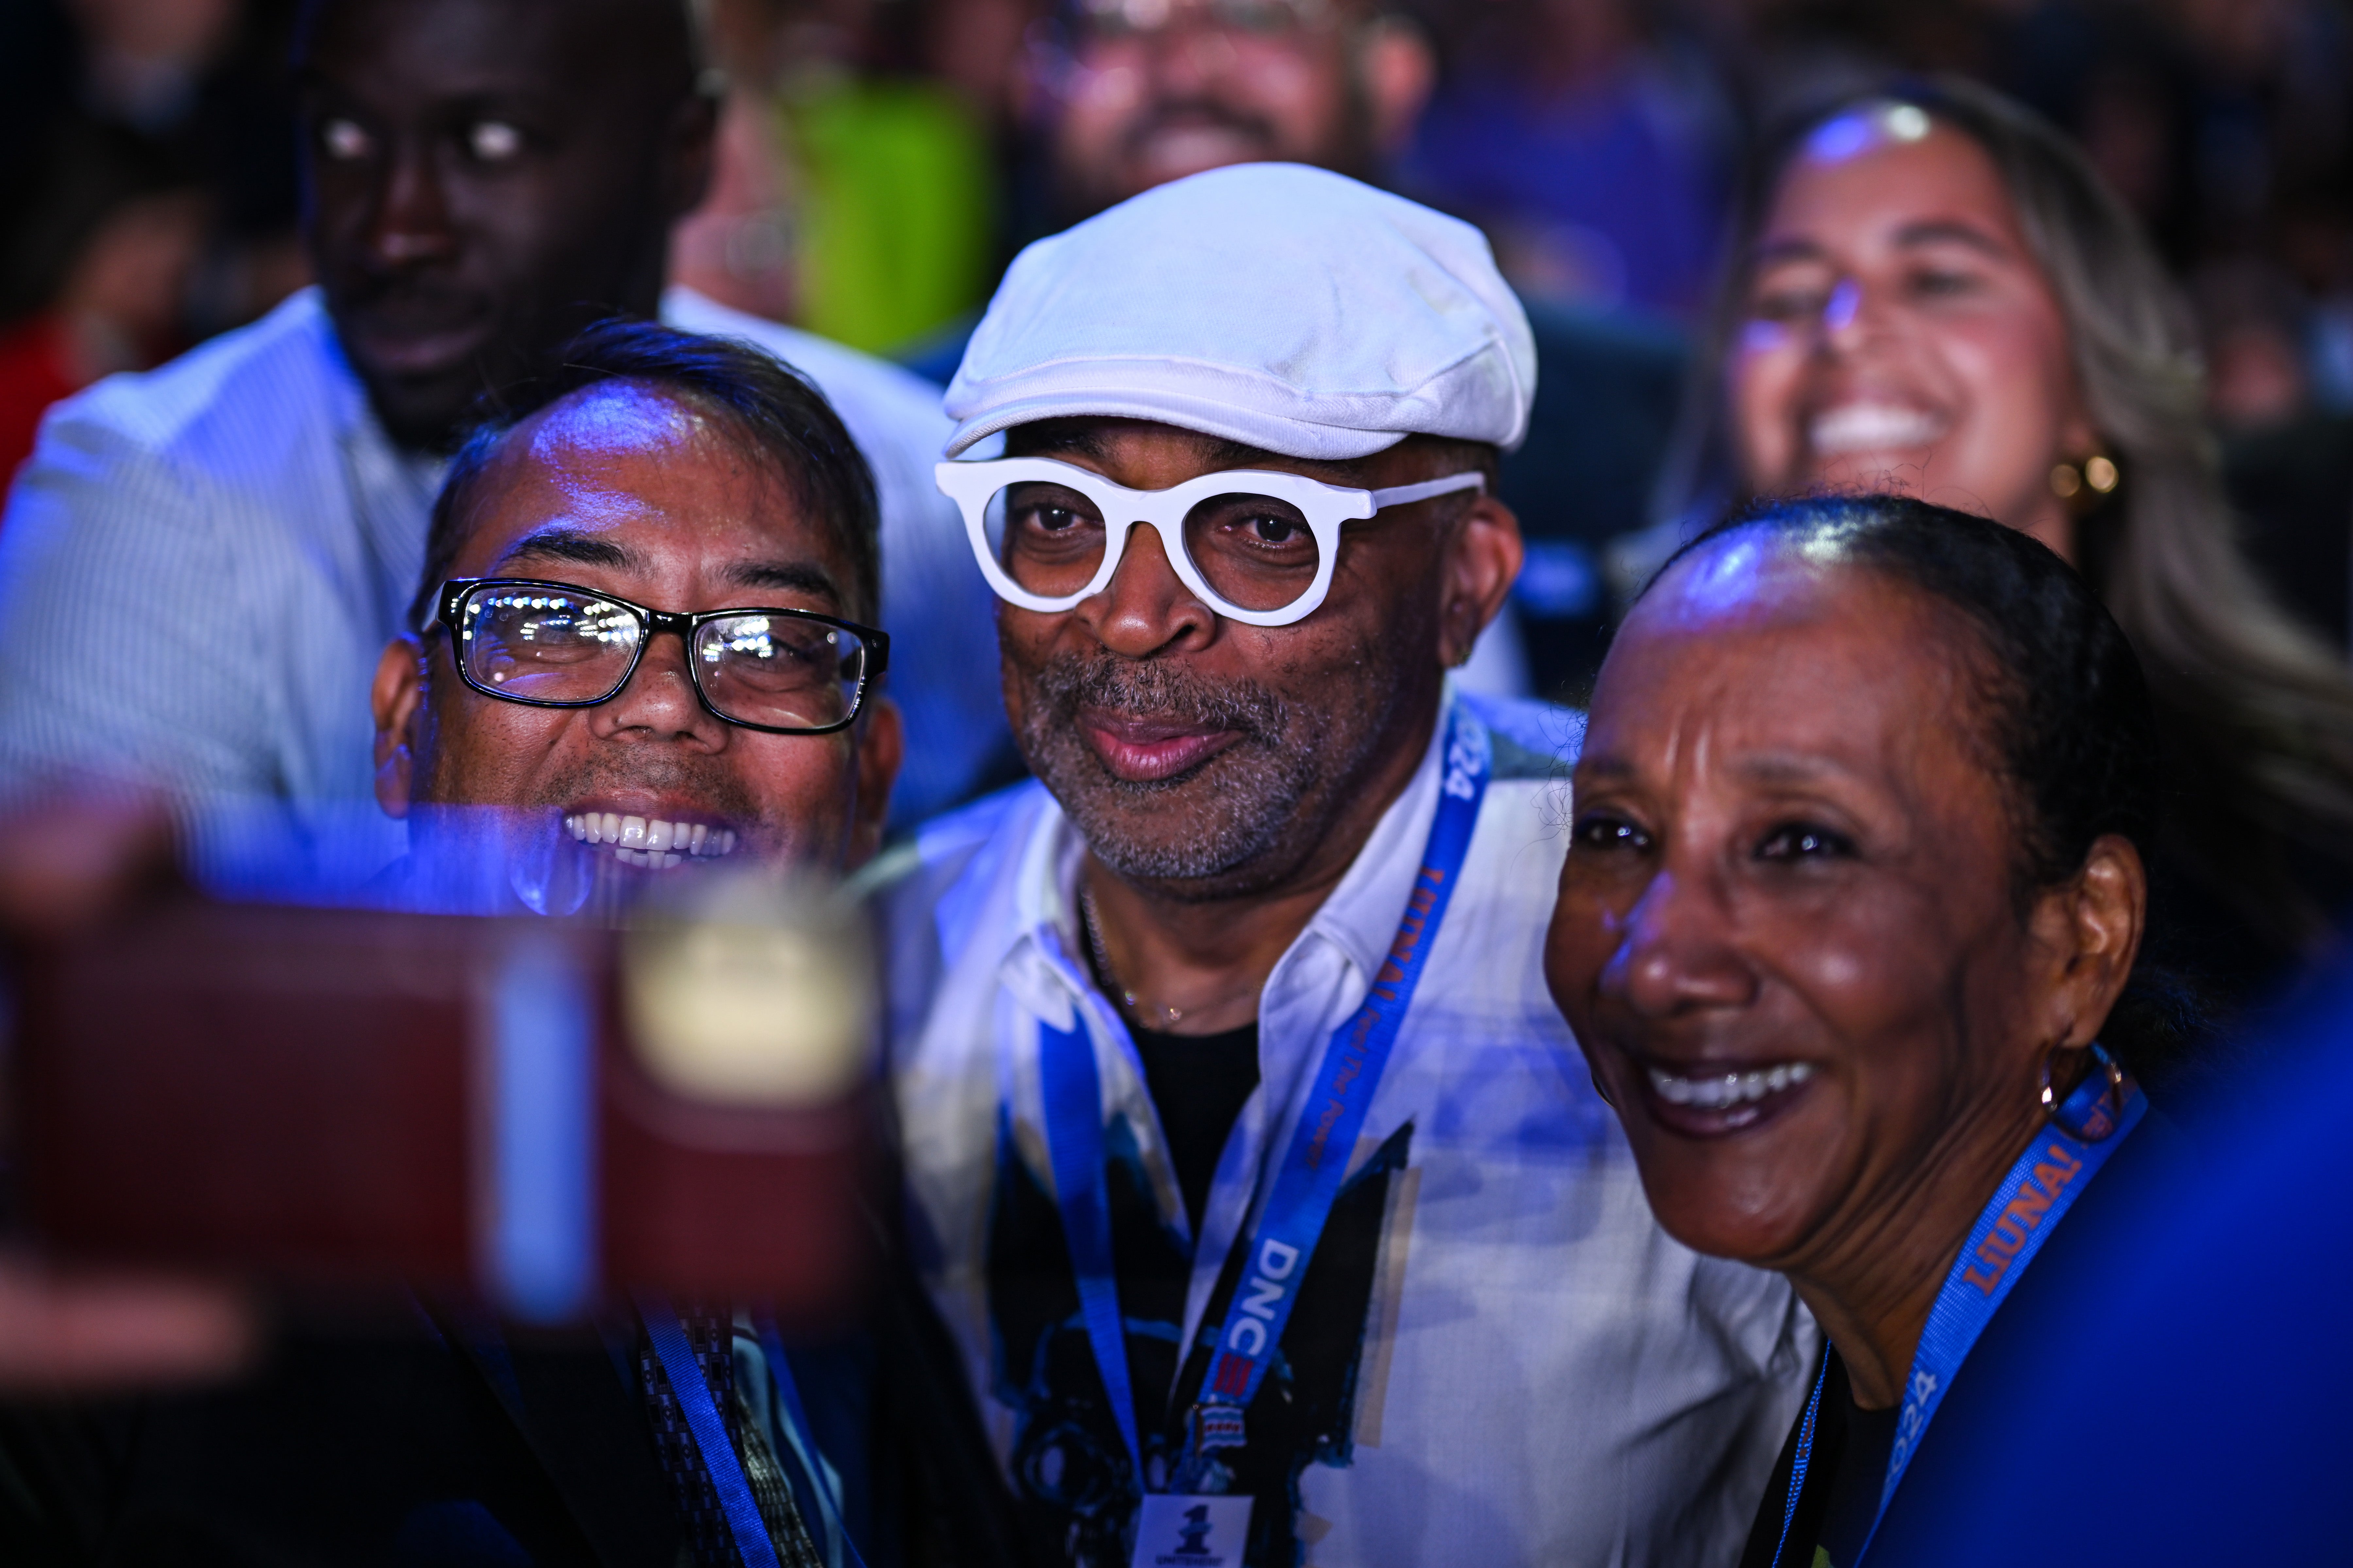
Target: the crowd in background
(1751, 268)
(884, 159)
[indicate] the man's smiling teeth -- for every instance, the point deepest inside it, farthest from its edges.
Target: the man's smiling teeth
(639, 842)
(1871, 428)
(1720, 1091)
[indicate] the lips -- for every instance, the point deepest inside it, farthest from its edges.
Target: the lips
(412, 334)
(1714, 1100)
(1144, 751)
(1189, 147)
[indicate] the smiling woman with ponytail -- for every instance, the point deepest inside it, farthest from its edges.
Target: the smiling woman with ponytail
(1932, 292)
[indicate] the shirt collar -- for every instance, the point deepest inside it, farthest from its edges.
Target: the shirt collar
(1361, 915)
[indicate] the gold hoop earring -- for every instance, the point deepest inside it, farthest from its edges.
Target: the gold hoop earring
(2095, 480)
(2086, 1123)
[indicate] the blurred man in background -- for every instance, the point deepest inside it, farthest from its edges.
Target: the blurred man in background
(483, 178)
(1124, 95)
(1127, 94)
(1140, 92)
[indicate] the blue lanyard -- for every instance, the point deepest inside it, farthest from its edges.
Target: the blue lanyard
(2041, 1186)
(804, 1439)
(1308, 1180)
(710, 1432)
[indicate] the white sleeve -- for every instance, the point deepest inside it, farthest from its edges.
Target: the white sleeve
(126, 648)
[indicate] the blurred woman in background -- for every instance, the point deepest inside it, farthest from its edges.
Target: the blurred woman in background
(1934, 293)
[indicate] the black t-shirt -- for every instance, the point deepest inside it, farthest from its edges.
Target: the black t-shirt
(1845, 1474)
(1069, 1460)
(1198, 1084)
(1862, 1478)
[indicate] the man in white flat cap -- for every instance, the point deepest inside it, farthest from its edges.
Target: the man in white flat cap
(1247, 1157)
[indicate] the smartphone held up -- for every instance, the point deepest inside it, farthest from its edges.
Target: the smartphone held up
(545, 1114)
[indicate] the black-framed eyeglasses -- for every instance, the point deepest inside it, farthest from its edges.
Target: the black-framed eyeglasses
(556, 644)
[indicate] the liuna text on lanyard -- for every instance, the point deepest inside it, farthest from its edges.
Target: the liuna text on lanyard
(1205, 1530)
(2040, 1187)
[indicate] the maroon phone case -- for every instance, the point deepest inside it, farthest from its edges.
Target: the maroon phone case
(302, 1095)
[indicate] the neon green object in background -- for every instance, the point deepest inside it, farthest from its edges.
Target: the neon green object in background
(897, 209)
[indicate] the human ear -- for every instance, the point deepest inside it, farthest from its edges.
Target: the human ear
(2092, 926)
(1483, 561)
(881, 742)
(1396, 71)
(396, 699)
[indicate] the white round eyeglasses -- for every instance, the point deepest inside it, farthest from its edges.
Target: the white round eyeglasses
(1256, 546)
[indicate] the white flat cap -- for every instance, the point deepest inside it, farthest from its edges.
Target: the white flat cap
(1292, 309)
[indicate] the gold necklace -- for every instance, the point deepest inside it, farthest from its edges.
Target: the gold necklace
(1166, 1017)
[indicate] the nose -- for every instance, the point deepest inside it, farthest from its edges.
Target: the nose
(659, 703)
(1676, 953)
(1847, 316)
(1189, 53)
(411, 226)
(1147, 608)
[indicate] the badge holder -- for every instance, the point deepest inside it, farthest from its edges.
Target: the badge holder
(1174, 1530)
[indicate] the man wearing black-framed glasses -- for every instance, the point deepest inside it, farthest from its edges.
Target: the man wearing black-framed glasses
(643, 646)
(640, 647)
(643, 619)
(644, 636)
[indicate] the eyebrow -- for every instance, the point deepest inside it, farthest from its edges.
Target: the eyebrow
(1081, 441)
(1772, 768)
(1770, 251)
(559, 541)
(1606, 766)
(1930, 231)
(1950, 231)
(1779, 767)
(792, 576)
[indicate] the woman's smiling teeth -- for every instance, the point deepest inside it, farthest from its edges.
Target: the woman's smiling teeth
(639, 841)
(1873, 428)
(1722, 1092)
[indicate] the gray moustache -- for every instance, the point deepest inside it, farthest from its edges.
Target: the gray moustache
(1160, 692)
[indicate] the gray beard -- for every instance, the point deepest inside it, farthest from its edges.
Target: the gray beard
(1229, 812)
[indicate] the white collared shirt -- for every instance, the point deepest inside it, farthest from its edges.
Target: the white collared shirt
(1544, 1376)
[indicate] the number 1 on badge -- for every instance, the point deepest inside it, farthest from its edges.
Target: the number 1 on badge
(1174, 1530)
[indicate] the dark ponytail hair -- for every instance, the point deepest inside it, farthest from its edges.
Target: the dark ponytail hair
(2066, 711)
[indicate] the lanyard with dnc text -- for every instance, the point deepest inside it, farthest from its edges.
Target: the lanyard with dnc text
(1308, 1179)
(2041, 1188)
